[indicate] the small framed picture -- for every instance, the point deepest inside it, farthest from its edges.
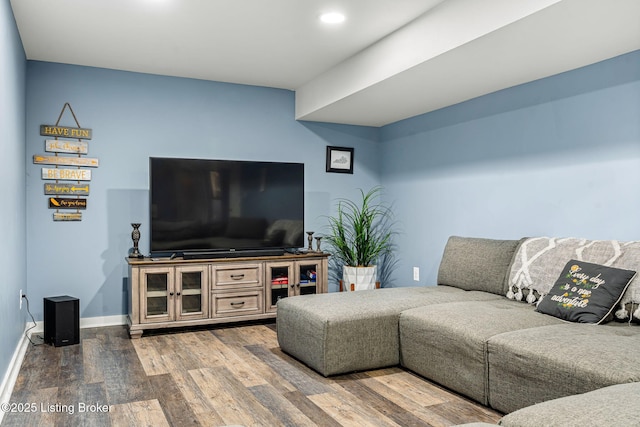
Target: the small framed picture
(340, 159)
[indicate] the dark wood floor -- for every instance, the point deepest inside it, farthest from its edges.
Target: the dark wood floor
(216, 377)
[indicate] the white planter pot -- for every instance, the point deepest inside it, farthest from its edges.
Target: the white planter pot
(361, 277)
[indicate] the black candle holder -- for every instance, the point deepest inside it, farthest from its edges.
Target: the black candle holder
(135, 236)
(310, 238)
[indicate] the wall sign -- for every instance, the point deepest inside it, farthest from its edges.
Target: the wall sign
(67, 216)
(60, 188)
(67, 174)
(63, 203)
(65, 161)
(62, 146)
(67, 152)
(65, 132)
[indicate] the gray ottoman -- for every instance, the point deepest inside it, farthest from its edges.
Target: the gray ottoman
(352, 331)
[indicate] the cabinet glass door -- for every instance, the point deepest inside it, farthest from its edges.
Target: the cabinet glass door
(191, 291)
(157, 290)
(307, 278)
(280, 283)
(157, 294)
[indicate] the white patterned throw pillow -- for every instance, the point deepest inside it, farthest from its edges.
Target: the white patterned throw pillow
(540, 260)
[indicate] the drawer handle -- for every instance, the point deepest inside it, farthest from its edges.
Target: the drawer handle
(237, 276)
(237, 304)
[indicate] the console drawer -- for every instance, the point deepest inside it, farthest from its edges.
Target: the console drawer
(235, 276)
(237, 303)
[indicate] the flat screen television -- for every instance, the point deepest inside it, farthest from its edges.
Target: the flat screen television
(209, 208)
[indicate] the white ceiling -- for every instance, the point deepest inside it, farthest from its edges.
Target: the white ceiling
(390, 59)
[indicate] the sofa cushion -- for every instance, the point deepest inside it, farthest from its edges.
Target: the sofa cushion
(539, 261)
(585, 292)
(616, 405)
(447, 342)
(475, 264)
(343, 332)
(539, 364)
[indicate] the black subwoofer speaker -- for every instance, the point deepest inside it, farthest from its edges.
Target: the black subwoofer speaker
(61, 320)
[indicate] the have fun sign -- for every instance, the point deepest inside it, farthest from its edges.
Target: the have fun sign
(68, 147)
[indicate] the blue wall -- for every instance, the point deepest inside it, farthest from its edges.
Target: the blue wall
(559, 156)
(12, 192)
(135, 116)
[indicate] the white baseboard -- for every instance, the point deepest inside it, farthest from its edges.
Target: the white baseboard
(87, 322)
(98, 322)
(10, 377)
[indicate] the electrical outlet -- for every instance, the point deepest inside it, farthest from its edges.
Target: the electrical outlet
(20, 299)
(416, 274)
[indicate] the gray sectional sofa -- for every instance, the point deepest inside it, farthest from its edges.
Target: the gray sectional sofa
(478, 332)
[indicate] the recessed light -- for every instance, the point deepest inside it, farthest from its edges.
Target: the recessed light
(332, 17)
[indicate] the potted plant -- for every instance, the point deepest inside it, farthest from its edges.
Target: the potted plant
(360, 235)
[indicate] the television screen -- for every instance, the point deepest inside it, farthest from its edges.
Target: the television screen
(222, 205)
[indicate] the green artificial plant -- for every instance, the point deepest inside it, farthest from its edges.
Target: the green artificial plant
(361, 232)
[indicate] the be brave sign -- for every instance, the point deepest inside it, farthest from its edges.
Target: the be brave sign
(66, 174)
